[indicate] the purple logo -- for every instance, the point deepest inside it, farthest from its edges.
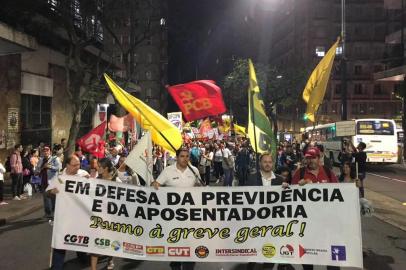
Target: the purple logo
(338, 253)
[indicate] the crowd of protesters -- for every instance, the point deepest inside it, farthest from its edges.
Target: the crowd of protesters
(214, 162)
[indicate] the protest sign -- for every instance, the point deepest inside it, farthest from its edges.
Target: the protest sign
(314, 224)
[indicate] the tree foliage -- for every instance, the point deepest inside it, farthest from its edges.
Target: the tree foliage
(279, 87)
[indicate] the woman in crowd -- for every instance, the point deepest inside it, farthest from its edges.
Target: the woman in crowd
(126, 174)
(27, 169)
(107, 172)
(2, 172)
(217, 163)
(205, 164)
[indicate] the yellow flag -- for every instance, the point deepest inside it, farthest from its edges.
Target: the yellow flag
(148, 118)
(259, 127)
(315, 88)
(239, 130)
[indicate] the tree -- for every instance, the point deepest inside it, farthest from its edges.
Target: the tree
(279, 87)
(73, 28)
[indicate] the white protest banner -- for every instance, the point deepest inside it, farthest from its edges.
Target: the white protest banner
(176, 119)
(315, 224)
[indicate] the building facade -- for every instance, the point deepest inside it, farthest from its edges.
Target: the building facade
(138, 40)
(33, 79)
(308, 28)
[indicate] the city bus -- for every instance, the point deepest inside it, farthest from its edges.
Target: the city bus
(379, 135)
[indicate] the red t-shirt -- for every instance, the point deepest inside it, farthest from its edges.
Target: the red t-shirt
(322, 176)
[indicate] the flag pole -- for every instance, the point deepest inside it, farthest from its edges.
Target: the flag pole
(255, 137)
(160, 133)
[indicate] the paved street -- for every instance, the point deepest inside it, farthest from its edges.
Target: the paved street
(26, 241)
(389, 180)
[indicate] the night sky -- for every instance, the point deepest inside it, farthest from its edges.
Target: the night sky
(205, 37)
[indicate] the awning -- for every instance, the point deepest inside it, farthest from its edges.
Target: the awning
(13, 41)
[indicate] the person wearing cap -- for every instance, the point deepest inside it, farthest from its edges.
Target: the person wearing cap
(314, 172)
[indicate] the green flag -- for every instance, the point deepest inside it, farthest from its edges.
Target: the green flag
(259, 127)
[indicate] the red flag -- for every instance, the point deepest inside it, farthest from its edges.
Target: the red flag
(198, 99)
(93, 142)
(122, 124)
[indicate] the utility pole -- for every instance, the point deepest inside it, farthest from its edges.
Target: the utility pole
(343, 67)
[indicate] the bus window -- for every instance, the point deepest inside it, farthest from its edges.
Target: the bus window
(375, 128)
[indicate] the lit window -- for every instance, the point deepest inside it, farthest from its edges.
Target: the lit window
(320, 51)
(162, 21)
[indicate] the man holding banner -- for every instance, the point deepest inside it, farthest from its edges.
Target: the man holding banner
(72, 168)
(179, 175)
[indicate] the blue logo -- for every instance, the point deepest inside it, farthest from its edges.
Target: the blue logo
(115, 245)
(338, 253)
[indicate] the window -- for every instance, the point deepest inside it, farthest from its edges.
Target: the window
(363, 108)
(86, 121)
(334, 108)
(148, 93)
(53, 4)
(378, 89)
(148, 74)
(357, 70)
(162, 21)
(354, 108)
(339, 50)
(377, 68)
(337, 89)
(358, 89)
(320, 51)
(149, 57)
(36, 123)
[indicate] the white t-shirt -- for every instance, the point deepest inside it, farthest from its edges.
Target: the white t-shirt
(267, 181)
(226, 153)
(171, 176)
(218, 156)
(54, 182)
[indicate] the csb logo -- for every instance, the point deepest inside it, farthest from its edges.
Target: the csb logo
(76, 240)
(102, 243)
(268, 250)
(115, 245)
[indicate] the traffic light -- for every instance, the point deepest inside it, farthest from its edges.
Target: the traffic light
(305, 117)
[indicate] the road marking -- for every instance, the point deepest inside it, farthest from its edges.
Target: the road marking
(389, 178)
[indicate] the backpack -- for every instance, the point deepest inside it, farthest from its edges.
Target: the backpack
(327, 170)
(194, 155)
(7, 165)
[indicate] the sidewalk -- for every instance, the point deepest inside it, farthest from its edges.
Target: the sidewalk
(16, 209)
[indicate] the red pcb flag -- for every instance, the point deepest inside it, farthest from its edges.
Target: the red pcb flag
(93, 142)
(198, 99)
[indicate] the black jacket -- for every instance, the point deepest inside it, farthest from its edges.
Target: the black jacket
(253, 181)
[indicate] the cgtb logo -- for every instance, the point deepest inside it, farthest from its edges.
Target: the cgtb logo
(76, 240)
(102, 243)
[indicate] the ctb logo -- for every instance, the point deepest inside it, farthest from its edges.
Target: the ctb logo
(178, 251)
(155, 250)
(76, 240)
